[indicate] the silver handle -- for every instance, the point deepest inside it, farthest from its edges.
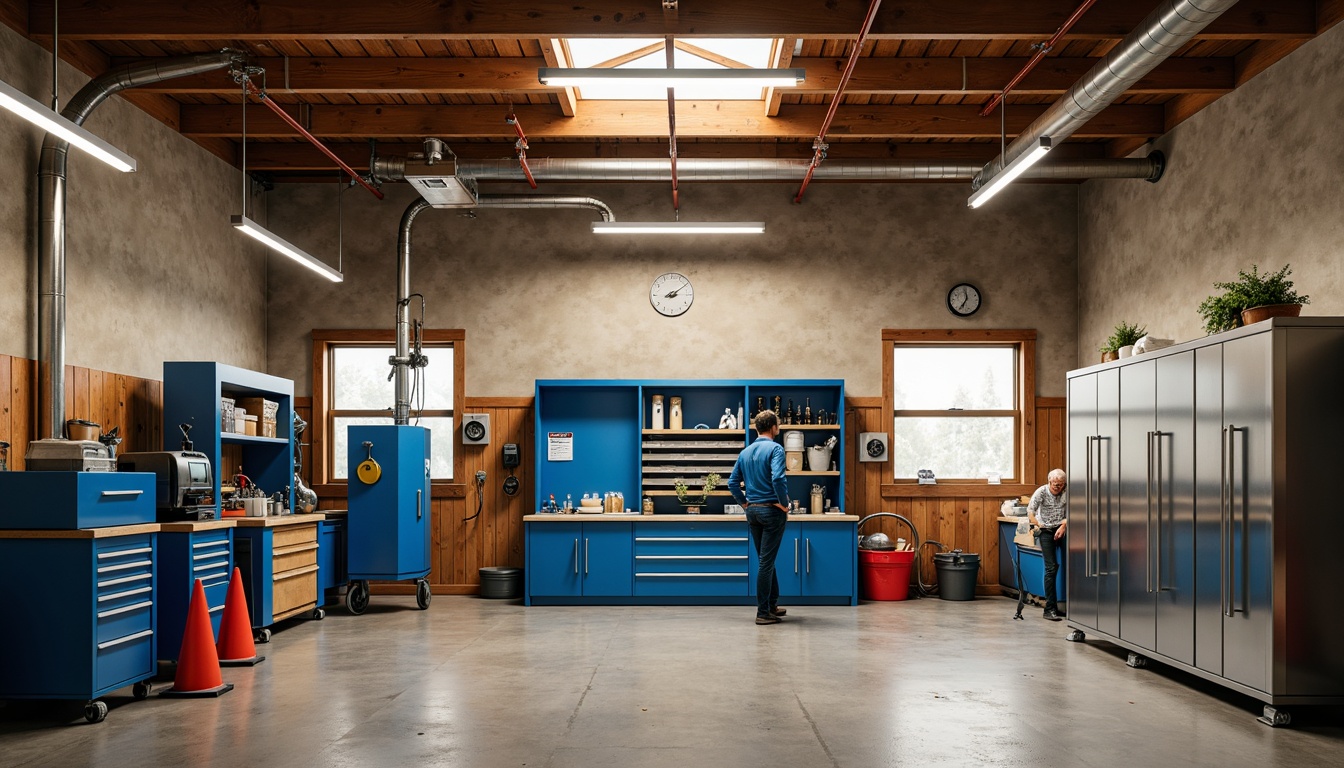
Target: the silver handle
(1242, 559)
(1224, 525)
(1148, 522)
(585, 557)
(124, 552)
(576, 557)
(689, 575)
(1106, 528)
(126, 639)
(122, 493)
(1161, 494)
(807, 554)
(1087, 508)
(795, 555)
(419, 512)
(125, 609)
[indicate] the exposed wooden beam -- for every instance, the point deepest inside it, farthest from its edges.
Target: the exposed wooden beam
(781, 56)
(289, 156)
(1328, 14)
(899, 76)
(420, 19)
(1261, 56)
(1123, 147)
(1182, 108)
(648, 119)
(14, 14)
(629, 56)
(552, 53)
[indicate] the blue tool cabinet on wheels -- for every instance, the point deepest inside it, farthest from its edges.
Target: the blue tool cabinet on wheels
(388, 521)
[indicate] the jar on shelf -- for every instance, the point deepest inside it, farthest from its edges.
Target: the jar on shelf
(656, 419)
(674, 414)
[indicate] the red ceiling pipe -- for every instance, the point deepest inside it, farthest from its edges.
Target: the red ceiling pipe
(672, 127)
(292, 123)
(1041, 51)
(819, 147)
(521, 146)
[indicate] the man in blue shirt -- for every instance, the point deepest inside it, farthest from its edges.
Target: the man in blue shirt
(757, 483)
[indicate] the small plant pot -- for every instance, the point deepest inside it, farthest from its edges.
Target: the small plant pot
(1107, 357)
(1125, 351)
(1256, 314)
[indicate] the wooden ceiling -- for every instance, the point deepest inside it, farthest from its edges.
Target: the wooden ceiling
(400, 70)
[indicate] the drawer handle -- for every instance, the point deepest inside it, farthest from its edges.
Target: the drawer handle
(691, 575)
(278, 551)
(690, 557)
(124, 566)
(690, 538)
(125, 609)
(211, 543)
(122, 493)
(215, 583)
(216, 609)
(124, 552)
(126, 639)
(295, 572)
(211, 555)
(127, 593)
(125, 580)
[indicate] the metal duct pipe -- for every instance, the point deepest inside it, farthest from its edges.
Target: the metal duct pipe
(724, 169)
(401, 412)
(51, 216)
(546, 201)
(1165, 30)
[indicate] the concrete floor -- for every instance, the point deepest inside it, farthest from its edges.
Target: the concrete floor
(482, 683)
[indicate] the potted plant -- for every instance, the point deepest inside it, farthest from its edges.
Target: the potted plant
(1121, 341)
(693, 505)
(1251, 298)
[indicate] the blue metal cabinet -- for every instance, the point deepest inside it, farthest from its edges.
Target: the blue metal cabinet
(332, 572)
(606, 559)
(70, 500)
(190, 551)
(571, 559)
(83, 623)
(389, 519)
(691, 559)
(817, 563)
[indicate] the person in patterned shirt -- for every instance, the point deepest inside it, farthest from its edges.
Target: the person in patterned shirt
(1048, 512)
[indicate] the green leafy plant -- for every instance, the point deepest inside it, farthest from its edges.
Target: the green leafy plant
(1124, 335)
(711, 482)
(1251, 289)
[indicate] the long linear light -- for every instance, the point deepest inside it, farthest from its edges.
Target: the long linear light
(669, 78)
(678, 227)
(36, 112)
(1010, 172)
(277, 243)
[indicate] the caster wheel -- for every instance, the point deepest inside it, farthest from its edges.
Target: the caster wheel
(422, 594)
(1136, 661)
(95, 711)
(1275, 717)
(357, 597)
(1076, 636)
(141, 691)
(263, 636)
(319, 614)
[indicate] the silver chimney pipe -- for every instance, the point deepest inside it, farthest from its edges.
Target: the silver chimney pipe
(1165, 30)
(51, 216)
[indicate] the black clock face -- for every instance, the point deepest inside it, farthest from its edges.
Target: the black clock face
(875, 448)
(474, 430)
(963, 300)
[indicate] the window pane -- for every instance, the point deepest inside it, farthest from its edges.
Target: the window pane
(938, 378)
(359, 379)
(440, 444)
(963, 448)
(438, 380)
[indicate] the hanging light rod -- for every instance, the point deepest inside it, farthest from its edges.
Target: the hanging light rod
(678, 227)
(1009, 172)
(669, 78)
(271, 240)
(35, 112)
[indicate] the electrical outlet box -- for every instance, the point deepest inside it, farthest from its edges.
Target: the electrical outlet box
(873, 446)
(475, 429)
(511, 455)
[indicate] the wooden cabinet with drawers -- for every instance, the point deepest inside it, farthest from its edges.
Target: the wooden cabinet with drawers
(278, 557)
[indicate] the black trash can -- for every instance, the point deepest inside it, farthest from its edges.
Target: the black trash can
(503, 582)
(956, 574)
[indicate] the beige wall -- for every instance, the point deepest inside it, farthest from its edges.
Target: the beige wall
(541, 297)
(155, 272)
(1253, 179)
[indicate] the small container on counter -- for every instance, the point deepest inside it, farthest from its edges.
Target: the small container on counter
(648, 505)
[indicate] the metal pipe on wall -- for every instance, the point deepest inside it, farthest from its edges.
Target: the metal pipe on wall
(51, 177)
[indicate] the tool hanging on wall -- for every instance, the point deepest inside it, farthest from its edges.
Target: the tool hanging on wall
(480, 495)
(368, 470)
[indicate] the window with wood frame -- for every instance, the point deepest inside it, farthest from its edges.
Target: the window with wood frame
(960, 403)
(351, 386)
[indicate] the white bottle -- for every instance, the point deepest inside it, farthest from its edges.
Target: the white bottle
(657, 420)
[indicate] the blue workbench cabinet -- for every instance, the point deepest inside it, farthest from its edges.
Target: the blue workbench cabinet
(573, 559)
(332, 571)
(80, 615)
(69, 500)
(817, 562)
(189, 551)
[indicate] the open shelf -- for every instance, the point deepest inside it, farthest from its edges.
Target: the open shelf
(736, 432)
(233, 438)
(697, 493)
(803, 427)
(803, 473)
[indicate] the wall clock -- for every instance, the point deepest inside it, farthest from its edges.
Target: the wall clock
(963, 300)
(671, 294)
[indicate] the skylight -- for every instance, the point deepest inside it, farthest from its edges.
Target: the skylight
(718, 53)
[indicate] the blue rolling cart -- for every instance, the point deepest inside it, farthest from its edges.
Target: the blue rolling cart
(189, 551)
(389, 510)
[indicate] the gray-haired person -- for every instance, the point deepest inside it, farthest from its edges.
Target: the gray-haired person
(1049, 511)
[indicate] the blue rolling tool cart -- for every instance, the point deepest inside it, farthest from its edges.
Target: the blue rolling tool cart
(388, 521)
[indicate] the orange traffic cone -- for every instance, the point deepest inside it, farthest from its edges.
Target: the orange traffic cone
(198, 664)
(235, 645)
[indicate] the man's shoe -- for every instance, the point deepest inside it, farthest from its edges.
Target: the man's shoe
(1049, 616)
(1061, 614)
(777, 611)
(768, 620)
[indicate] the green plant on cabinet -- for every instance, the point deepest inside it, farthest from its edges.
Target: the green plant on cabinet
(1222, 312)
(1124, 335)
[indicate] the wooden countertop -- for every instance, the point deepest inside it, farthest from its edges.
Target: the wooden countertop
(191, 526)
(84, 533)
(276, 521)
(1008, 519)
(680, 518)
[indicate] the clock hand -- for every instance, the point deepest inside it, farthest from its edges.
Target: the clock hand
(673, 294)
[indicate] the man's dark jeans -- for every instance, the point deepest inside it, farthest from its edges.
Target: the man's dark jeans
(767, 532)
(1050, 553)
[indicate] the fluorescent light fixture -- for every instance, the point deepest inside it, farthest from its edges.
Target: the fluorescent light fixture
(264, 235)
(669, 78)
(35, 112)
(678, 227)
(1011, 171)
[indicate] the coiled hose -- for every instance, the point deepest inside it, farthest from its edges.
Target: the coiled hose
(921, 589)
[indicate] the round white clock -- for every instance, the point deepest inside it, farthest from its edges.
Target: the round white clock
(963, 300)
(671, 294)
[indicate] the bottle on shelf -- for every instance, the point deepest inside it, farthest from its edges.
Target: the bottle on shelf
(569, 502)
(674, 414)
(777, 411)
(807, 412)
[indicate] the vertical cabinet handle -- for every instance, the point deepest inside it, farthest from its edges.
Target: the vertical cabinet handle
(576, 557)
(807, 554)
(419, 509)
(585, 557)
(1157, 577)
(1238, 561)
(1148, 522)
(1087, 509)
(795, 556)
(1107, 527)
(1224, 524)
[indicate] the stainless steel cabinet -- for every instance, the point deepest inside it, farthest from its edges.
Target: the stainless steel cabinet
(1209, 514)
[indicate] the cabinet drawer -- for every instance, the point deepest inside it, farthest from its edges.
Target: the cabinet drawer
(691, 529)
(645, 564)
(215, 595)
(728, 582)
(289, 535)
(132, 616)
(293, 590)
(124, 660)
(289, 558)
(703, 546)
(123, 561)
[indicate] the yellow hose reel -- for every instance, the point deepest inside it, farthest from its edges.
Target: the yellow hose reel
(368, 470)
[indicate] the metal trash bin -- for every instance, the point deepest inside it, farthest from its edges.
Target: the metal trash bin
(501, 582)
(956, 574)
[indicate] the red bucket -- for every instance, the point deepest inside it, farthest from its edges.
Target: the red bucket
(884, 575)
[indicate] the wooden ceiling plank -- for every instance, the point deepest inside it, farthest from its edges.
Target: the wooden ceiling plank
(1261, 56)
(552, 53)
(409, 19)
(629, 56)
(1328, 14)
(782, 56)
(648, 119)
(709, 55)
(14, 14)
